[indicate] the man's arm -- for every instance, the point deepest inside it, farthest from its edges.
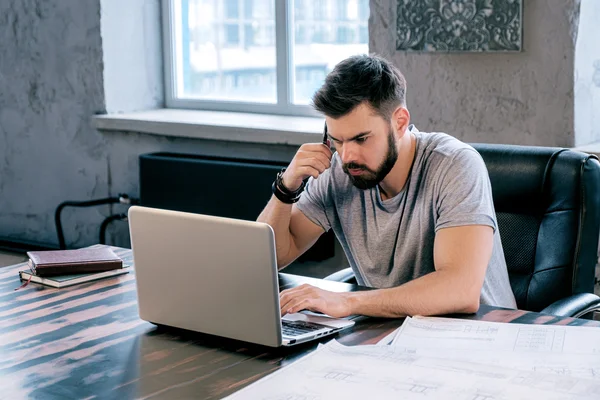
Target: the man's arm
(294, 232)
(461, 257)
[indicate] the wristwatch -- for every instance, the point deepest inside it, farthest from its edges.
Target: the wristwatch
(282, 193)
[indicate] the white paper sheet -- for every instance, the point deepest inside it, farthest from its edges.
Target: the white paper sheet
(457, 334)
(560, 350)
(387, 340)
(334, 371)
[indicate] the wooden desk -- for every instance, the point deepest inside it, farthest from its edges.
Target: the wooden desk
(87, 340)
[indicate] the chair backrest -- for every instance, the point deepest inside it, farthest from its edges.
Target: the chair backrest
(547, 203)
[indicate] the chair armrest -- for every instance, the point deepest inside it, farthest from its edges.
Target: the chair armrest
(574, 306)
(345, 275)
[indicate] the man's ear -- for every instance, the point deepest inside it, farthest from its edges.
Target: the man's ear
(400, 121)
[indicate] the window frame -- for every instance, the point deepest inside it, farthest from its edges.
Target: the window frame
(284, 39)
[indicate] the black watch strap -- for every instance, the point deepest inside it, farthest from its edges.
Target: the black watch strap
(283, 193)
(284, 198)
(284, 189)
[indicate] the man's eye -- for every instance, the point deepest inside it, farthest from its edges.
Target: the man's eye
(362, 139)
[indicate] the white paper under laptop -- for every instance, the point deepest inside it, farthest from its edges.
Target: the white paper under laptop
(215, 275)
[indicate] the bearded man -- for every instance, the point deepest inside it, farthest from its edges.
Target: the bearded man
(413, 211)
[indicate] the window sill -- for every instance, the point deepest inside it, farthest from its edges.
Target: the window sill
(216, 125)
(592, 148)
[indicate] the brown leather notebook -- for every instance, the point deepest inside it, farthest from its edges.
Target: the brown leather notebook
(79, 261)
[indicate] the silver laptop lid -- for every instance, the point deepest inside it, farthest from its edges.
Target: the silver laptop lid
(207, 274)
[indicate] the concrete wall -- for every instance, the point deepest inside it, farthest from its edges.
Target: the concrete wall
(131, 45)
(50, 83)
(519, 98)
(52, 78)
(587, 75)
(55, 74)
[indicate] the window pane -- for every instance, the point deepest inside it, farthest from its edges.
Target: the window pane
(232, 8)
(320, 9)
(249, 8)
(363, 34)
(301, 36)
(226, 50)
(232, 35)
(363, 7)
(300, 9)
(342, 10)
(326, 32)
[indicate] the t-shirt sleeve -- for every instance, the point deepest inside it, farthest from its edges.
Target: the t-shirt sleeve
(465, 193)
(316, 200)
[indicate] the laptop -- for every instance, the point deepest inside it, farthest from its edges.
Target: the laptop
(217, 276)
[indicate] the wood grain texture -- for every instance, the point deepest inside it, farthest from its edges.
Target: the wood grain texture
(87, 341)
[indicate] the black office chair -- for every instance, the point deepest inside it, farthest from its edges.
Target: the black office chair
(547, 204)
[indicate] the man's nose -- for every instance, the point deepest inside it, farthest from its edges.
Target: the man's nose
(348, 153)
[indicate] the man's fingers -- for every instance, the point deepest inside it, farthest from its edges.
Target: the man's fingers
(287, 294)
(325, 160)
(294, 289)
(317, 147)
(307, 297)
(291, 304)
(285, 298)
(316, 163)
(289, 297)
(311, 160)
(309, 170)
(306, 156)
(296, 306)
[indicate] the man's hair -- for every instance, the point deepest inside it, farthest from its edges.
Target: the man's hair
(358, 79)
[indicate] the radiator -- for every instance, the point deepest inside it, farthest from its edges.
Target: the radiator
(225, 187)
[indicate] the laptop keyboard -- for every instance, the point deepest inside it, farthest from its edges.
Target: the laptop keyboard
(297, 328)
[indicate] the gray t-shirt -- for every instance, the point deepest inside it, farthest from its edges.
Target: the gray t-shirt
(390, 242)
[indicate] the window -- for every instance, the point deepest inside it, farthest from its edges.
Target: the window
(232, 35)
(257, 55)
(232, 9)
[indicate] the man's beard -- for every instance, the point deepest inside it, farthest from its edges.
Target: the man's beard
(369, 179)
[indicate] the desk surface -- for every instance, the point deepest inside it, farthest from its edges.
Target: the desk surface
(87, 340)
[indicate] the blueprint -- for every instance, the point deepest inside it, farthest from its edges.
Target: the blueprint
(388, 338)
(560, 350)
(376, 371)
(458, 334)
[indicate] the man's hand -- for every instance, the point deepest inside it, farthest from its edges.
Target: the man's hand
(310, 160)
(307, 297)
